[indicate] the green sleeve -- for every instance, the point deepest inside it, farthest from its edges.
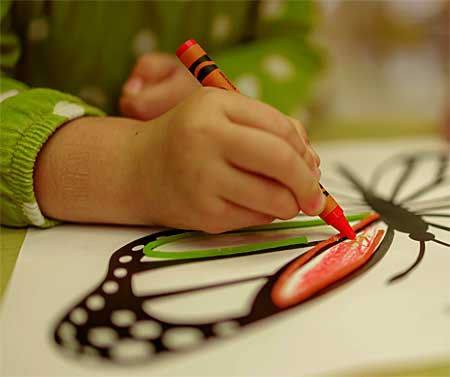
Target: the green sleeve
(278, 64)
(28, 117)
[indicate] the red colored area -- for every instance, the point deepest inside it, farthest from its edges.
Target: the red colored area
(337, 220)
(340, 260)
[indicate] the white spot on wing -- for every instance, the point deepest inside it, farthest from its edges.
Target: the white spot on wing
(129, 350)
(182, 337)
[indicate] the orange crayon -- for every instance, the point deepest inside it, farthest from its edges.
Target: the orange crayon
(207, 73)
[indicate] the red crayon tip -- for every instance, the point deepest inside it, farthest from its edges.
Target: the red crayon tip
(189, 43)
(337, 220)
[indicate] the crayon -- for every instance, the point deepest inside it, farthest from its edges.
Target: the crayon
(205, 70)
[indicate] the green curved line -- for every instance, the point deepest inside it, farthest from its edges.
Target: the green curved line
(298, 224)
(149, 249)
(207, 253)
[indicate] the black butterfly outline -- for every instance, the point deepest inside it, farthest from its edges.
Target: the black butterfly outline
(72, 332)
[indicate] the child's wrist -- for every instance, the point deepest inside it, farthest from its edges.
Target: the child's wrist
(144, 174)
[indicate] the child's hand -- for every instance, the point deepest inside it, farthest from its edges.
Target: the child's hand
(221, 161)
(218, 161)
(157, 83)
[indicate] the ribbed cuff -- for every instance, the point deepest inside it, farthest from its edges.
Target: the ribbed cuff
(46, 110)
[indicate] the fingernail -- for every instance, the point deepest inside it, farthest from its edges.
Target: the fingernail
(133, 85)
(318, 204)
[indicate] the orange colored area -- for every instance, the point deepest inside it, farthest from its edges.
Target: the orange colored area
(342, 259)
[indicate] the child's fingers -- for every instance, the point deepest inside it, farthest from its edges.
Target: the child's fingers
(151, 101)
(304, 135)
(257, 193)
(156, 99)
(259, 152)
(232, 216)
(252, 113)
(155, 67)
(150, 69)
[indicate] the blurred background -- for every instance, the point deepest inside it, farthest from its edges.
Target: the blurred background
(387, 68)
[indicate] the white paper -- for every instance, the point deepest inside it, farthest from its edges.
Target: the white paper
(363, 323)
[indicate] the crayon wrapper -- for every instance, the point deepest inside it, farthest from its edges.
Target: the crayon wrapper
(191, 55)
(216, 78)
(330, 203)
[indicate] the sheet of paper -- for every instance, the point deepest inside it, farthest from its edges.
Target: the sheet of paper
(83, 287)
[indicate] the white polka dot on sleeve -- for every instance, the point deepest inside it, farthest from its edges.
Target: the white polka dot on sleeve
(278, 67)
(8, 94)
(68, 110)
(33, 213)
(221, 27)
(144, 42)
(272, 9)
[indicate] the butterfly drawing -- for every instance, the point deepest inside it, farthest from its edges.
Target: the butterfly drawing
(274, 269)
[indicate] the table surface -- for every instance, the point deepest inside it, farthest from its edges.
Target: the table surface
(11, 240)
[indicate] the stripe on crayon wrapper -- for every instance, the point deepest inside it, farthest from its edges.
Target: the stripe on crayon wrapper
(202, 65)
(192, 56)
(325, 192)
(195, 64)
(205, 71)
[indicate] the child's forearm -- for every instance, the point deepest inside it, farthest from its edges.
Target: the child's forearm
(86, 172)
